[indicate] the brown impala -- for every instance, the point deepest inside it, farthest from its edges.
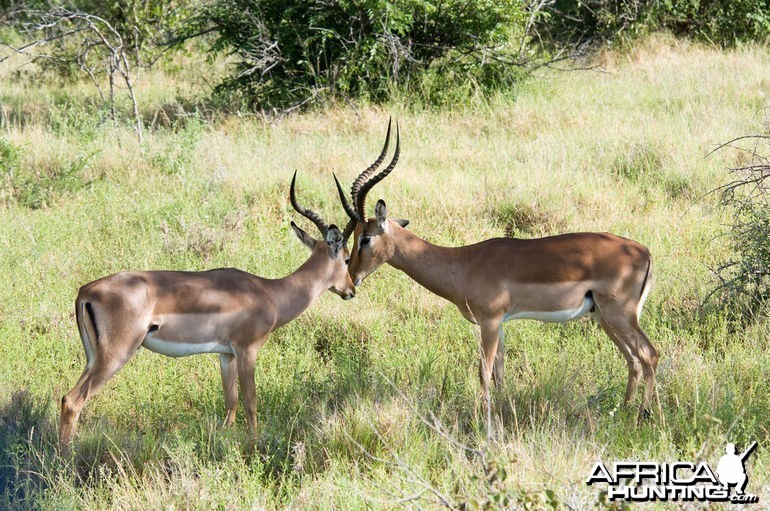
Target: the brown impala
(225, 311)
(553, 279)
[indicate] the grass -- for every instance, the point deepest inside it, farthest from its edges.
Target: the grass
(343, 390)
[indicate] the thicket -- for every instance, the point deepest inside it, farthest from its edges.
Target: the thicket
(720, 22)
(296, 51)
(744, 279)
(290, 53)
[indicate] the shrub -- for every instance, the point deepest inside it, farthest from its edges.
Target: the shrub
(39, 188)
(744, 279)
(293, 52)
(721, 22)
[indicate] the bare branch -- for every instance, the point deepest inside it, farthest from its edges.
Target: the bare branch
(97, 44)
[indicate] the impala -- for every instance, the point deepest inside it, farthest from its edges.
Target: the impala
(224, 311)
(552, 279)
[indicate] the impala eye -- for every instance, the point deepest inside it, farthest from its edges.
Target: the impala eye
(347, 262)
(365, 240)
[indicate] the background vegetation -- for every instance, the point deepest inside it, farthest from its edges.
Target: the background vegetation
(348, 392)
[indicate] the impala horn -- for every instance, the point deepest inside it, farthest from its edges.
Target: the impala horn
(363, 184)
(359, 193)
(310, 215)
(354, 218)
(363, 176)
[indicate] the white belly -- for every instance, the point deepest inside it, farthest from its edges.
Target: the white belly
(182, 349)
(560, 316)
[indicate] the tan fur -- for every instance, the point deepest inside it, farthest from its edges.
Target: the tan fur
(501, 277)
(227, 310)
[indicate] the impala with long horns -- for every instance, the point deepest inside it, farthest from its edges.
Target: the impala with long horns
(225, 311)
(553, 279)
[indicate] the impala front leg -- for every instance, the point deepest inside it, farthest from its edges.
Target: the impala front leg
(245, 359)
(490, 340)
(499, 366)
(227, 367)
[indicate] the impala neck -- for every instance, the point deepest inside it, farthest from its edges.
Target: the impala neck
(436, 268)
(294, 293)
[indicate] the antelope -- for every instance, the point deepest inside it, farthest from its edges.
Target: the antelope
(224, 311)
(552, 279)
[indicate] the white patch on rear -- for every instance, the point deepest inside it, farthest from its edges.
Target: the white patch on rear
(561, 316)
(183, 349)
(84, 338)
(645, 292)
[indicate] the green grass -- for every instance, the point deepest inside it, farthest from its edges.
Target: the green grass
(342, 391)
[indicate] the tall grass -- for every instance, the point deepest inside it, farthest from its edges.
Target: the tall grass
(344, 389)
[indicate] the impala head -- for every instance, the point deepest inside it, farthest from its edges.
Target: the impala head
(373, 243)
(332, 245)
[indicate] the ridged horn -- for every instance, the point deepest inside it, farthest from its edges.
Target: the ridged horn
(354, 218)
(360, 198)
(310, 215)
(363, 176)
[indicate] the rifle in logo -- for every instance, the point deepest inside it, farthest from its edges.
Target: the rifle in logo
(730, 469)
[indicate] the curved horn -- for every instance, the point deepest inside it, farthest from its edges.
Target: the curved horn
(310, 215)
(361, 196)
(363, 176)
(348, 208)
(348, 230)
(354, 218)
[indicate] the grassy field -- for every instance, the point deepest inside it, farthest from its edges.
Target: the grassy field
(347, 392)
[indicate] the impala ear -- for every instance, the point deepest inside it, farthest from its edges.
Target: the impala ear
(335, 240)
(381, 212)
(303, 236)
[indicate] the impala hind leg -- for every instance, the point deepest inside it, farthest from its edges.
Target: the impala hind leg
(229, 373)
(90, 382)
(622, 326)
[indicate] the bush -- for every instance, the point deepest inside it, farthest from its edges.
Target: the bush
(721, 22)
(744, 279)
(40, 187)
(577, 22)
(293, 52)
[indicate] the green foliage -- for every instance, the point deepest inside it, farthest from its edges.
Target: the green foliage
(40, 188)
(581, 21)
(24, 421)
(294, 52)
(744, 279)
(637, 161)
(500, 493)
(527, 219)
(10, 155)
(721, 22)
(179, 157)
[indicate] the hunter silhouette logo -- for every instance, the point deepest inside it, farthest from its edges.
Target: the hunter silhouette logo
(730, 469)
(686, 481)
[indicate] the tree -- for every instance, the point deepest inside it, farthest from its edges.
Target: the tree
(106, 41)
